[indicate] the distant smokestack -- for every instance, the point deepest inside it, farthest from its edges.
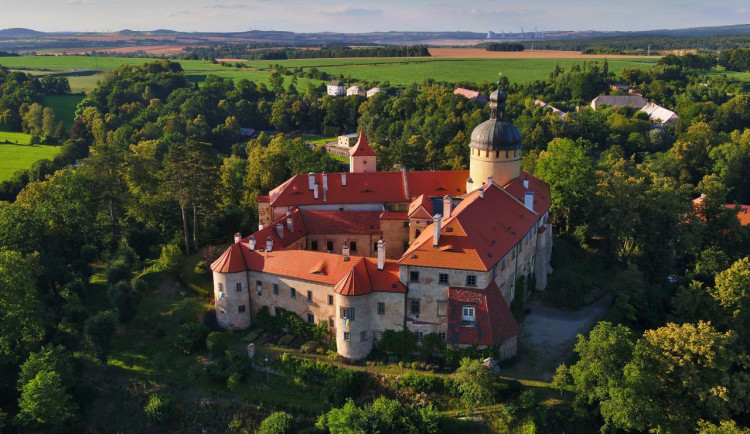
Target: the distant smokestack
(311, 180)
(269, 244)
(237, 237)
(315, 191)
(381, 254)
(447, 205)
(529, 200)
(290, 224)
(343, 179)
(436, 220)
(251, 243)
(280, 230)
(526, 184)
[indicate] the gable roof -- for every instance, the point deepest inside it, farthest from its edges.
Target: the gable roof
(634, 101)
(369, 187)
(542, 196)
(341, 222)
(657, 112)
(477, 235)
(362, 149)
(421, 207)
(437, 183)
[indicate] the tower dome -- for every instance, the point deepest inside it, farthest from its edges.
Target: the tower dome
(495, 147)
(496, 133)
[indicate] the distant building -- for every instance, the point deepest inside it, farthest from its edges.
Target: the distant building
(543, 104)
(355, 90)
(622, 87)
(743, 214)
(470, 94)
(655, 112)
(336, 88)
(347, 140)
(373, 91)
(248, 133)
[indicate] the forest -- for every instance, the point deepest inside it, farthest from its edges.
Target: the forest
(236, 51)
(154, 169)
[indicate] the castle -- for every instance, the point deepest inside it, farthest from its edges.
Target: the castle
(367, 251)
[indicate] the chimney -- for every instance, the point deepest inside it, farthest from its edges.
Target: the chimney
(381, 254)
(269, 244)
(261, 226)
(325, 181)
(280, 230)
(290, 224)
(489, 180)
(251, 243)
(481, 193)
(237, 237)
(343, 179)
(447, 205)
(315, 191)
(345, 250)
(436, 219)
(529, 200)
(311, 180)
(526, 184)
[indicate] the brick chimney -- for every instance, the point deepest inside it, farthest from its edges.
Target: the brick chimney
(381, 254)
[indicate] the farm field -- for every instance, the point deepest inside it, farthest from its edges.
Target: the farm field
(481, 53)
(14, 157)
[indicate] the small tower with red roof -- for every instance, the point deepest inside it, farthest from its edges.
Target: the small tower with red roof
(361, 157)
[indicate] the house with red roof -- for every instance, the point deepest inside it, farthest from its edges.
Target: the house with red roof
(438, 252)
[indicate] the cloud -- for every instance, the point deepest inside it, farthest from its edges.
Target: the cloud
(217, 5)
(743, 11)
(78, 2)
(179, 13)
(352, 12)
(505, 12)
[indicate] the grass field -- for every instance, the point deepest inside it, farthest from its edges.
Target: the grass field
(14, 157)
(64, 107)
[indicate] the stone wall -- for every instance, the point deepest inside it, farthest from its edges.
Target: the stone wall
(503, 166)
(233, 308)
(396, 236)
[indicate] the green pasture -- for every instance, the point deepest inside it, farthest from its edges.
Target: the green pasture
(16, 153)
(64, 107)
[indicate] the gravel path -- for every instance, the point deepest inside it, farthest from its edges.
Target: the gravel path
(548, 336)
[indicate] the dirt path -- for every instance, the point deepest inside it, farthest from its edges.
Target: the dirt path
(548, 336)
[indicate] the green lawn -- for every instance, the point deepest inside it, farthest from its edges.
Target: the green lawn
(64, 107)
(16, 153)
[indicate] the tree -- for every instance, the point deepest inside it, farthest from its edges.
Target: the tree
(732, 293)
(44, 404)
(99, 331)
(170, 261)
(21, 326)
(278, 422)
(48, 358)
(570, 174)
(159, 408)
(562, 378)
(474, 382)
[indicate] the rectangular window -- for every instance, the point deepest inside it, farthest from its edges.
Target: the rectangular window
(363, 335)
(414, 305)
(293, 293)
(259, 287)
(241, 308)
(494, 271)
(239, 286)
(414, 276)
(471, 280)
(353, 246)
(346, 312)
(310, 318)
(381, 308)
(420, 336)
(330, 300)
(514, 254)
(442, 336)
(275, 289)
(221, 287)
(314, 246)
(443, 278)
(347, 336)
(309, 295)
(468, 314)
(442, 307)
(330, 322)
(503, 264)
(329, 246)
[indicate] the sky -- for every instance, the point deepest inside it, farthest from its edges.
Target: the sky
(368, 16)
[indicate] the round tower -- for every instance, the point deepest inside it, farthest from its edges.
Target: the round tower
(495, 147)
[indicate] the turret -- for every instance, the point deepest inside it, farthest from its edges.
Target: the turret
(361, 157)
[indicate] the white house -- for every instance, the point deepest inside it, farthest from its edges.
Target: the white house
(373, 91)
(355, 90)
(336, 88)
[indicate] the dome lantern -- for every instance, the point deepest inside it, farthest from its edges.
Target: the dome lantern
(496, 133)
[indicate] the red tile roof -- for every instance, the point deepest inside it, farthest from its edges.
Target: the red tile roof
(493, 320)
(356, 276)
(467, 93)
(389, 215)
(421, 207)
(743, 215)
(370, 187)
(341, 222)
(437, 183)
(540, 188)
(477, 235)
(362, 149)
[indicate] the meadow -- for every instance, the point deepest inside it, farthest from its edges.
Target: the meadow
(16, 153)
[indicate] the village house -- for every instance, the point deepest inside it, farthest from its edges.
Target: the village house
(655, 112)
(347, 140)
(373, 91)
(355, 90)
(438, 252)
(470, 94)
(336, 88)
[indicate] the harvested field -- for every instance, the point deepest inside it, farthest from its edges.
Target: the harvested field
(481, 53)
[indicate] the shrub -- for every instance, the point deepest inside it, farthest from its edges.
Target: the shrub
(401, 343)
(217, 344)
(474, 383)
(277, 423)
(124, 300)
(234, 381)
(421, 382)
(127, 254)
(117, 271)
(190, 337)
(89, 253)
(432, 344)
(170, 261)
(159, 408)
(221, 369)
